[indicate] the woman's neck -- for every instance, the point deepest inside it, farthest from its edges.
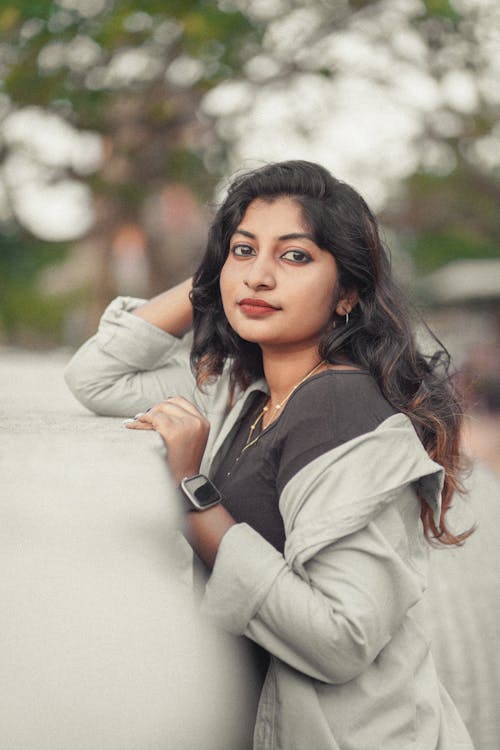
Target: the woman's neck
(283, 372)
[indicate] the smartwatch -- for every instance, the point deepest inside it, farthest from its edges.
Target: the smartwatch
(199, 493)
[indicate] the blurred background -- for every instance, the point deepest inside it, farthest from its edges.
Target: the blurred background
(121, 121)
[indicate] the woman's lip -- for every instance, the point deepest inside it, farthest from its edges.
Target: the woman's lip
(250, 302)
(256, 308)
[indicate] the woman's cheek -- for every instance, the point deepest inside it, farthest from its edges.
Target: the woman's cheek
(229, 282)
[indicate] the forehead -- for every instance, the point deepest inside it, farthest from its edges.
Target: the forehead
(283, 213)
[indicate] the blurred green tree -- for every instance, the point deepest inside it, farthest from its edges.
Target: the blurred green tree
(143, 75)
(452, 198)
(134, 73)
(435, 62)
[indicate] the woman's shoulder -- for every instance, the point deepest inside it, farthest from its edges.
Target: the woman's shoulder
(338, 396)
(327, 410)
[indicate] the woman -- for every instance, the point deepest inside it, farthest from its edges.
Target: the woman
(332, 441)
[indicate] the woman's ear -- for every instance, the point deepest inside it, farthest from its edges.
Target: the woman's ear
(346, 302)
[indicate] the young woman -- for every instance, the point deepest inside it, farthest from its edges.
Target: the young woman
(316, 447)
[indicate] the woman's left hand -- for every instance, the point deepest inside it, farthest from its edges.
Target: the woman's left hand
(184, 430)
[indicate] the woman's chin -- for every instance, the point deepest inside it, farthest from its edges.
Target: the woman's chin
(250, 334)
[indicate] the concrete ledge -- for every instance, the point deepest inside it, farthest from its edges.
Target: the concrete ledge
(100, 645)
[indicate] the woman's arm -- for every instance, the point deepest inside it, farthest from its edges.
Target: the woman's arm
(185, 433)
(205, 530)
(355, 557)
(331, 614)
(330, 626)
(136, 359)
(171, 310)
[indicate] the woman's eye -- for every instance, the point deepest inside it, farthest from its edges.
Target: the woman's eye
(242, 251)
(297, 256)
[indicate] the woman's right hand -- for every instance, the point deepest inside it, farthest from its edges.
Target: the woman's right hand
(171, 311)
(184, 431)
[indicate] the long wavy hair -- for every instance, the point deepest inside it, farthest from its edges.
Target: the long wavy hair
(379, 336)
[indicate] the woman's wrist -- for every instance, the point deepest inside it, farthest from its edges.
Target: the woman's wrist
(205, 530)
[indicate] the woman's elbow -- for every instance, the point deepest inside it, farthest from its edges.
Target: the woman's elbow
(338, 671)
(79, 383)
(349, 654)
(86, 392)
(97, 395)
(96, 384)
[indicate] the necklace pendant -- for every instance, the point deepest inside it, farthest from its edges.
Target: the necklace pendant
(278, 406)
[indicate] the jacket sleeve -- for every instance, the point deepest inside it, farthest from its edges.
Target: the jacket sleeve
(330, 626)
(130, 364)
(355, 558)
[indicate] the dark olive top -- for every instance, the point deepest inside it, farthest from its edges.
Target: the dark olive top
(325, 411)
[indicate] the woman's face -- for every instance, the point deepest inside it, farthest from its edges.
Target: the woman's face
(278, 288)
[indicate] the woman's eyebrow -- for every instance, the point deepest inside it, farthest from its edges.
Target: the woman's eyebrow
(291, 236)
(244, 233)
(297, 236)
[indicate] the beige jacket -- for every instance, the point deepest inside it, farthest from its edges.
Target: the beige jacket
(342, 612)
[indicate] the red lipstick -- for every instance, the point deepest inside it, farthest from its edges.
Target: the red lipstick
(256, 308)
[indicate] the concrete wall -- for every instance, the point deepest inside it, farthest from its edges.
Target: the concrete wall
(100, 645)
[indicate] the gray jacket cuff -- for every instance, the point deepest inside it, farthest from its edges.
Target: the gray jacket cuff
(132, 340)
(245, 569)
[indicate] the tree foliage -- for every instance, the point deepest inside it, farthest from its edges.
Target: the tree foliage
(145, 75)
(436, 62)
(134, 73)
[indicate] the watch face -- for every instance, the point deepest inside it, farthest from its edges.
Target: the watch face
(202, 491)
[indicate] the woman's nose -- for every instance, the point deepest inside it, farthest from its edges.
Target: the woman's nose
(260, 273)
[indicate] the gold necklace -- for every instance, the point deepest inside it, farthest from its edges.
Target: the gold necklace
(275, 408)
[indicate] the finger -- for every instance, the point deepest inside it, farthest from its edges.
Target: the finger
(159, 419)
(179, 405)
(146, 418)
(135, 424)
(135, 417)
